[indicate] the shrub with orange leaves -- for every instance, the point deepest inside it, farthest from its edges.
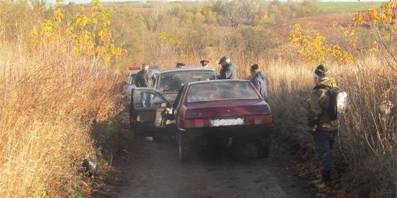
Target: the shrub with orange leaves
(313, 47)
(386, 14)
(88, 32)
(382, 23)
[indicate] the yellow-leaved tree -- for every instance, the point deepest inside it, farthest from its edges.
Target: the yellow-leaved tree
(313, 47)
(87, 31)
(382, 23)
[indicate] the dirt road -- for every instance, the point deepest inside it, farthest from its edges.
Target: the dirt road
(152, 170)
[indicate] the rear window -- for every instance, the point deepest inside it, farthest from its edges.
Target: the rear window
(221, 91)
(173, 81)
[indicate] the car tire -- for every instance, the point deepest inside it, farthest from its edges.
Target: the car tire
(158, 138)
(263, 147)
(184, 146)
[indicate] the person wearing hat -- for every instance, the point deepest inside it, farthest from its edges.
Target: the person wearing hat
(323, 127)
(259, 80)
(204, 63)
(228, 70)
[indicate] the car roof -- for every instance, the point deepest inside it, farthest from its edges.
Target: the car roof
(190, 68)
(215, 81)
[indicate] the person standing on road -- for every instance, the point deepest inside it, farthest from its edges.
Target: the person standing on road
(142, 77)
(228, 70)
(259, 80)
(205, 63)
(323, 127)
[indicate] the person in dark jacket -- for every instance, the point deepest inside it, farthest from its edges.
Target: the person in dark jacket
(259, 80)
(228, 70)
(142, 77)
(323, 127)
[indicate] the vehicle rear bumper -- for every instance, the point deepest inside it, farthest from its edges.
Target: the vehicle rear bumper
(232, 131)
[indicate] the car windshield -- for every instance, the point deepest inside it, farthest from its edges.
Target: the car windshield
(173, 81)
(214, 91)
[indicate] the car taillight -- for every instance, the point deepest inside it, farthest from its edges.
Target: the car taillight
(260, 119)
(194, 123)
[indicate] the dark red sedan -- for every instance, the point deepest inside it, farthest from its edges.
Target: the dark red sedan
(228, 110)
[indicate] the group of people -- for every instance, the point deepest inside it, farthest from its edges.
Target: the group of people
(228, 71)
(322, 126)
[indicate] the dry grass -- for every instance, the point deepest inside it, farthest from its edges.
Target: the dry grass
(49, 99)
(367, 138)
(48, 102)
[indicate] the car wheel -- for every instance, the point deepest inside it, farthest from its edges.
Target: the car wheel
(263, 147)
(158, 138)
(184, 147)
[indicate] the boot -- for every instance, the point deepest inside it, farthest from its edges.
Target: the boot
(326, 177)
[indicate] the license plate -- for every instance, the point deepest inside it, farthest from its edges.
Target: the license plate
(227, 122)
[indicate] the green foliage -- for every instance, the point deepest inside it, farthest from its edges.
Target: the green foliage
(256, 41)
(130, 35)
(251, 41)
(234, 13)
(174, 31)
(345, 6)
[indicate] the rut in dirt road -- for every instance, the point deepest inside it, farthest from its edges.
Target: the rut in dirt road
(153, 171)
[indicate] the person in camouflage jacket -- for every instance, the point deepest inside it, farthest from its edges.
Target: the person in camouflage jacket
(323, 128)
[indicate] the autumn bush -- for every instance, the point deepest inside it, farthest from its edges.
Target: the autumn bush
(52, 89)
(59, 68)
(367, 139)
(368, 134)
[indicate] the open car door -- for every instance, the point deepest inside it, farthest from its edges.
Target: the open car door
(147, 111)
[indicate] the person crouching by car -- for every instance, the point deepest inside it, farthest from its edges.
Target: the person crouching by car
(259, 80)
(228, 70)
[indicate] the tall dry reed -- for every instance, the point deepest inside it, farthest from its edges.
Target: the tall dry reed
(367, 137)
(48, 102)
